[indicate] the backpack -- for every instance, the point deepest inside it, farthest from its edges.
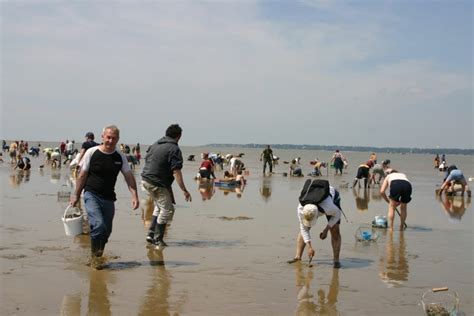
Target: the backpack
(314, 191)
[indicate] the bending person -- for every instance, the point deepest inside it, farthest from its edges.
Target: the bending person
(399, 194)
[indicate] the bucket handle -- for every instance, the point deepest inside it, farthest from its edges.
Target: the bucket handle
(67, 209)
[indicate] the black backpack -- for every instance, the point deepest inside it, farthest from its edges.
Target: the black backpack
(314, 191)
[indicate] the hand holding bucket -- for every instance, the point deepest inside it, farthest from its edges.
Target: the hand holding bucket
(72, 220)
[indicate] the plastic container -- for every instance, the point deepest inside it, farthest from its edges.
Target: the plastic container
(380, 221)
(366, 233)
(440, 303)
(72, 220)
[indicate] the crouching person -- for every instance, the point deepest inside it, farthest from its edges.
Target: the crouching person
(318, 198)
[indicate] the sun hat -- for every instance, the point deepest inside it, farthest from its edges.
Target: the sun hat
(309, 212)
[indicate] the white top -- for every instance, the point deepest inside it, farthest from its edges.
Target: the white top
(329, 208)
(396, 176)
(85, 163)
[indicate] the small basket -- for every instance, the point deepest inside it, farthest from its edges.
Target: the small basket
(72, 220)
(440, 302)
(366, 233)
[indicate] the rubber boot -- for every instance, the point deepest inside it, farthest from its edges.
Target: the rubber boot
(151, 230)
(161, 233)
(96, 253)
(95, 247)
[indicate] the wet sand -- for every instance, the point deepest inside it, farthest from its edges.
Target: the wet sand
(227, 254)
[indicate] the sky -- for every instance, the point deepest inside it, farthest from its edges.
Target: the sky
(355, 73)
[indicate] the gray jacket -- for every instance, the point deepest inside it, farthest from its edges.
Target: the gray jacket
(162, 158)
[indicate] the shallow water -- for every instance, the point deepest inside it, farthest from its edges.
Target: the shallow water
(216, 266)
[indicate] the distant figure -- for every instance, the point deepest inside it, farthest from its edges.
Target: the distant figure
(4, 145)
(138, 153)
(338, 161)
(373, 157)
(436, 161)
(363, 173)
(267, 157)
(89, 143)
(399, 194)
(34, 151)
(206, 170)
(309, 213)
(23, 163)
(12, 152)
(454, 176)
(235, 165)
(443, 159)
(317, 165)
(378, 169)
(55, 158)
(295, 169)
(191, 158)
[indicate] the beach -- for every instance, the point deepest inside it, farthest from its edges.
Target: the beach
(228, 250)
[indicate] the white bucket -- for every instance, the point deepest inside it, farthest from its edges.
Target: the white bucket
(73, 225)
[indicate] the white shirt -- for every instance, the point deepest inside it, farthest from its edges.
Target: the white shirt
(329, 208)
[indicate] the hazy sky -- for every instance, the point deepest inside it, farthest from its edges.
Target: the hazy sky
(368, 73)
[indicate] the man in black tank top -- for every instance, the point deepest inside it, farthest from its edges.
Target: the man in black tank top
(99, 170)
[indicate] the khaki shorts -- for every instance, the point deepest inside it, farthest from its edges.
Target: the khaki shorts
(164, 208)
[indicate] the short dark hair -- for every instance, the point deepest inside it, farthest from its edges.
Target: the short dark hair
(174, 131)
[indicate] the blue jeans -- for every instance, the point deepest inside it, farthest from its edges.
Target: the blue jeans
(101, 215)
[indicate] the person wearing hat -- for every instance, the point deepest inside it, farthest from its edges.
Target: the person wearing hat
(308, 216)
(363, 173)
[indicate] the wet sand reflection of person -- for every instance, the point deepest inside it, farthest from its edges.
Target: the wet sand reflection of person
(99, 303)
(307, 305)
(375, 195)
(19, 177)
(361, 199)
(206, 189)
(155, 300)
(266, 189)
(394, 264)
(454, 206)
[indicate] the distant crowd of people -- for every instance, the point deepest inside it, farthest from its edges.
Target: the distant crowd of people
(97, 166)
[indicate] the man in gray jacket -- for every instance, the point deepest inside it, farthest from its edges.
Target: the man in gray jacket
(163, 164)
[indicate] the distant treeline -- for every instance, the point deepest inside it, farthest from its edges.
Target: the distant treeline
(401, 150)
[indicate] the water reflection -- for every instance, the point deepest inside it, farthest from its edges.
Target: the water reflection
(155, 301)
(361, 198)
(19, 177)
(99, 303)
(375, 195)
(393, 264)
(310, 305)
(454, 206)
(266, 188)
(55, 176)
(71, 305)
(206, 189)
